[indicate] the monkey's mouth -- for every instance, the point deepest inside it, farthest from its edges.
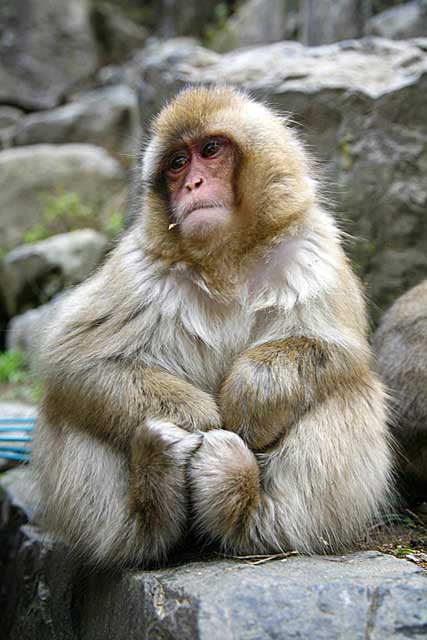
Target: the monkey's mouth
(196, 205)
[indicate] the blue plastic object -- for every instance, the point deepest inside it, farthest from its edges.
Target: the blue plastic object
(15, 436)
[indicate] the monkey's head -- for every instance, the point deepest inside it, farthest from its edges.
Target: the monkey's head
(223, 175)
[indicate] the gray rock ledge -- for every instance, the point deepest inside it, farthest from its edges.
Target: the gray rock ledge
(45, 594)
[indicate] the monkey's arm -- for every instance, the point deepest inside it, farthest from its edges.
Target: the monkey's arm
(112, 399)
(127, 482)
(270, 386)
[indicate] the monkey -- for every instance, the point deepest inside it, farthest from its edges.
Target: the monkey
(214, 375)
(400, 344)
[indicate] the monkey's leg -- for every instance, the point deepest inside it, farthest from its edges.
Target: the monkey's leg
(91, 498)
(316, 491)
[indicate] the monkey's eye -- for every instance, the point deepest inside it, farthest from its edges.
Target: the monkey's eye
(178, 161)
(211, 148)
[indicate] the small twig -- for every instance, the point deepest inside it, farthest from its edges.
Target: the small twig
(416, 518)
(254, 560)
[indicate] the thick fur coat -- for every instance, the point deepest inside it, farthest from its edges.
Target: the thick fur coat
(223, 384)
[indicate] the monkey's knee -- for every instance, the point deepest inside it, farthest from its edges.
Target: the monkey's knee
(225, 488)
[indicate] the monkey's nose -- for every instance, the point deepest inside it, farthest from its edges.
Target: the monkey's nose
(194, 184)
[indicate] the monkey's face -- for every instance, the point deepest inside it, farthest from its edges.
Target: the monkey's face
(223, 177)
(199, 179)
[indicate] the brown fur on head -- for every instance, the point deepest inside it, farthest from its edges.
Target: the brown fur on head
(272, 189)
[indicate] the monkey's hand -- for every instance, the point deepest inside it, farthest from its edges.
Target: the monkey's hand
(179, 402)
(270, 386)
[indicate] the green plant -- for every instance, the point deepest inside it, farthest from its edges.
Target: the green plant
(114, 225)
(402, 551)
(13, 369)
(35, 234)
(37, 391)
(64, 211)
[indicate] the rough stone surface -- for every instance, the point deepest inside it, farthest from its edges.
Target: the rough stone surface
(107, 117)
(257, 22)
(360, 105)
(45, 49)
(326, 21)
(15, 410)
(34, 273)
(408, 20)
(179, 55)
(9, 118)
(116, 35)
(183, 18)
(50, 595)
(29, 174)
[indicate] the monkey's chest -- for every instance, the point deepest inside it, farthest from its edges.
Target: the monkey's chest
(200, 346)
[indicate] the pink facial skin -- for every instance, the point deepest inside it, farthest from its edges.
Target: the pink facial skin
(199, 180)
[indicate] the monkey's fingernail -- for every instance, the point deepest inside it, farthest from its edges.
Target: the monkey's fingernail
(171, 226)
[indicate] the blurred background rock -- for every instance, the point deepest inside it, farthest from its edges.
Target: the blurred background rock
(80, 80)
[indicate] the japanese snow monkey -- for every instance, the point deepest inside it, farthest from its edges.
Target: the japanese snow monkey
(215, 373)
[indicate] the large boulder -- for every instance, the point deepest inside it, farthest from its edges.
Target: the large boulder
(29, 174)
(178, 62)
(400, 344)
(360, 105)
(25, 332)
(408, 20)
(46, 48)
(46, 593)
(106, 117)
(32, 274)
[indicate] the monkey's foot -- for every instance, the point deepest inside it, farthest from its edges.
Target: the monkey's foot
(160, 449)
(225, 488)
(158, 488)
